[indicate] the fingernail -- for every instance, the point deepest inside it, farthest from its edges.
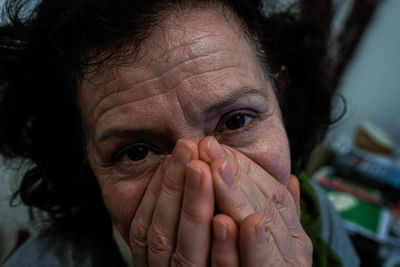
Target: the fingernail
(227, 174)
(220, 231)
(260, 232)
(214, 149)
(193, 177)
(181, 153)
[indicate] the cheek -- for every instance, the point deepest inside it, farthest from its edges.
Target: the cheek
(272, 154)
(122, 200)
(277, 163)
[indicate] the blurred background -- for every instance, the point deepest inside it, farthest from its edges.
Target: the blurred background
(358, 164)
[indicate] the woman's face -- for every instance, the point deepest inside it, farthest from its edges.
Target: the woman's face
(196, 76)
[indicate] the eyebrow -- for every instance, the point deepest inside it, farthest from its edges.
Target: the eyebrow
(214, 108)
(151, 133)
(234, 97)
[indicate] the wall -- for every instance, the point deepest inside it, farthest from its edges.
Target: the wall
(371, 84)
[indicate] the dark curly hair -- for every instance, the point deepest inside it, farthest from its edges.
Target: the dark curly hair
(46, 49)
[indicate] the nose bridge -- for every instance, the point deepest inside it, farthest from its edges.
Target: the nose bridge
(183, 120)
(185, 130)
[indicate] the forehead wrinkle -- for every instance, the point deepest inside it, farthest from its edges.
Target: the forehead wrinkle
(163, 73)
(216, 39)
(134, 66)
(128, 101)
(113, 77)
(189, 36)
(196, 37)
(192, 52)
(136, 95)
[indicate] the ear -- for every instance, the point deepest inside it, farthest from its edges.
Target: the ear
(282, 79)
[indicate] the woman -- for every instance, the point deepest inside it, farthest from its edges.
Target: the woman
(171, 121)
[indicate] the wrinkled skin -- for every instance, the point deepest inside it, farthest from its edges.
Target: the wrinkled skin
(191, 124)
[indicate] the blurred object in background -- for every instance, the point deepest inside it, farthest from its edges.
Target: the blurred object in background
(375, 170)
(363, 176)
(371, 138)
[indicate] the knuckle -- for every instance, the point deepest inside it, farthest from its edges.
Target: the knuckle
(235, 164)
(239, 209)
(270, 215)
(234, 161)
(138, 235)
(306, 261)
(308, 244)
(170, 186)
(193, 214)
(269, 243)
(158, 243)
(278, 263)
(220, 260)
(179, 260)
(153, 191)
(229, 151)
(280, 196)
(249, 168)
(304, 241)
(306, 251)
(292, 261)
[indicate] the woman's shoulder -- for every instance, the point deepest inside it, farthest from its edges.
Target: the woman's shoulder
(40, 251)
(332, 230)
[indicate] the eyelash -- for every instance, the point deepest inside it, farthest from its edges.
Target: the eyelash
(248, 113)
(219, 131)
(121, 153)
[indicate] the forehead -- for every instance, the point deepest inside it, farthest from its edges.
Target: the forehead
(192, 34)
(196, 47)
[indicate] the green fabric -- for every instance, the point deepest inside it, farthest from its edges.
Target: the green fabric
(323, 255)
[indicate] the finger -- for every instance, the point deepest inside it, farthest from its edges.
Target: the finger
(194, 233)
(283, 239)
(242, 188)
(143, 216)
(232, 201)
(294, 190)
(209, 149)
(256, 184)
(257, 247)
(229, 196)
(162, 232)
(224, 252)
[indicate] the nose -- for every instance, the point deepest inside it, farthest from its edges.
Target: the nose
(182, 129)
(196, 136)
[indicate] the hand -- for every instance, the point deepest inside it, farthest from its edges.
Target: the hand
(253, 248)
(256, 201)
(172, 225)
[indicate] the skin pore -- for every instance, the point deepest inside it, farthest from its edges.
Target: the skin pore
(196, 76)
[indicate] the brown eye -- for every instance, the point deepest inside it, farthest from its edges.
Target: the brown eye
(237, 121)
(137, 152)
